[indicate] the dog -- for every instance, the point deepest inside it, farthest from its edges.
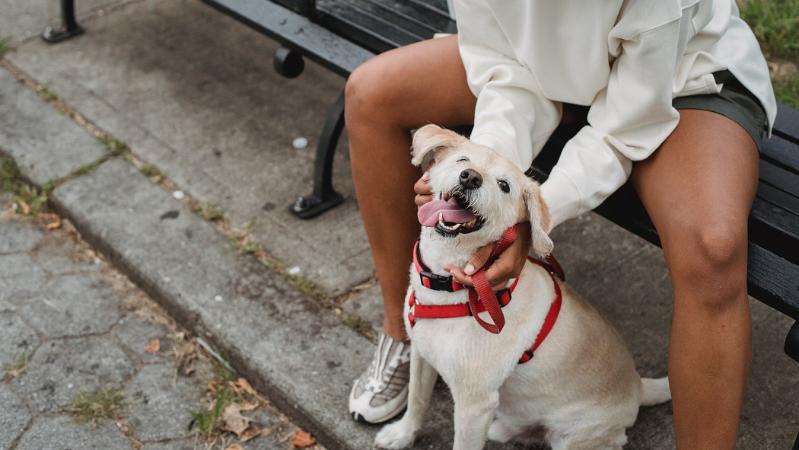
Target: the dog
(580, 390)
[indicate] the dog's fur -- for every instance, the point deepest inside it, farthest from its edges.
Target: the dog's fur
(580, 391)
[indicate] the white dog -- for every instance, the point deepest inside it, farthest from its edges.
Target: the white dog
(580, 390)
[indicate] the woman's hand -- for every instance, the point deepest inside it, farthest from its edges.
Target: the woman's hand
(423, 192)
(508, 265)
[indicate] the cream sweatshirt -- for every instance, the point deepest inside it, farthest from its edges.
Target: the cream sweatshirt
(626, 59)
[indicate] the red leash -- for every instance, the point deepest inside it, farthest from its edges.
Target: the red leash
(482, 291)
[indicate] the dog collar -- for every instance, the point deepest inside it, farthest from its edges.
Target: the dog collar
(430, 279)
(482, 298)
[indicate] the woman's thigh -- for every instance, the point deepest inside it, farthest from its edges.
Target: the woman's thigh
(410, 86)
(698, 189)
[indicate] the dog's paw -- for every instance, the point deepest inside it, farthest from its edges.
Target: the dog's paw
(395, 436)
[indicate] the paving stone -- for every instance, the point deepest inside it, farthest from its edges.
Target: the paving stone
(159, 403)
(14, 416)
(180, 444)
(212, 114)
(72, 305)
(45, 144)
(134, 333)
(59, 370)
(70, 435)
(58, 254)
(368, 305)
(20, 277)
(16, 337)
(18, 236)
(257, 307)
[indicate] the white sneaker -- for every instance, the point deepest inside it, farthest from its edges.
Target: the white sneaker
(381, 393)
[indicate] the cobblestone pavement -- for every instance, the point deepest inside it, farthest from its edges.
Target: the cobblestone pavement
(71, 326)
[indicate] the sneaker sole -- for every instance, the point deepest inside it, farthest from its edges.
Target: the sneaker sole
(389, 417)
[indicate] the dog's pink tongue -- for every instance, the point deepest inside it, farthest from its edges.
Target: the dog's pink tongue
(429, 212)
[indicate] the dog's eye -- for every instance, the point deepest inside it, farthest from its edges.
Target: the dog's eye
(462, 159)
(504, 186)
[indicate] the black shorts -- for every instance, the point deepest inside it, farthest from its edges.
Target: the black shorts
(734, 102)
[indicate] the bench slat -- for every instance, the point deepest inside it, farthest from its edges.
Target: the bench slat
(780, 178)
(774, 228)
(367, 30)
(787, 124)
(297, 32)
(432, 20)
(773, 280)
(782, 152)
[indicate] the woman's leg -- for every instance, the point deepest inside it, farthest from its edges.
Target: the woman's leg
(698, 189)
(385, 98)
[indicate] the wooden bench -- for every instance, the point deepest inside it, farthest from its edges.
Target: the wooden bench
(342, 34)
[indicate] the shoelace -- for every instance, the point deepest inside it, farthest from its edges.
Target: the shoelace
(377, 377)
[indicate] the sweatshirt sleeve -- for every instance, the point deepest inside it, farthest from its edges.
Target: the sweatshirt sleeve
(510, 116)
(627, 121)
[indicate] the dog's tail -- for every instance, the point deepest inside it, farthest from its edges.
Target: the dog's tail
(655, 391)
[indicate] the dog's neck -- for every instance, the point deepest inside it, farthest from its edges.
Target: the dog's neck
(439, 251)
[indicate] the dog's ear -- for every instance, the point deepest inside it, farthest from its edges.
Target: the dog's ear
(538, 213)
(429, 139)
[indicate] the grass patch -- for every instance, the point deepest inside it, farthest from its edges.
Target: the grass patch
(113, 145)
(94, 406)
(150, 171)
(209, 211)
(16, 368)
(207, 423)
(47, 95)
(28, 200)
(358, 323)
(5, 46)
(787, 91)
(776, 25)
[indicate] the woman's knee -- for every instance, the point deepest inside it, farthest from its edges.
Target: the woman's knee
(711, 256)
(367, 91)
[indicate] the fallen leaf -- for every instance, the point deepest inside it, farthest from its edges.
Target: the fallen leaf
(302, 439)
(242, 385)
(233, 421)
(250, 433)
(248, 406)
(153, 346)
(52, 221)
(26, 209)
(234, 447)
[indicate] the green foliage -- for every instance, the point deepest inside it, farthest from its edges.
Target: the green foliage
(207, 422)
(787, 91)
(776, 25)
(94, 406)
(5, 46)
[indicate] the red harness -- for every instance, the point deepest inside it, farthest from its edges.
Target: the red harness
(481, 297)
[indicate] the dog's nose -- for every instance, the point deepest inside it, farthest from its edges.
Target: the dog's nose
(471, 179)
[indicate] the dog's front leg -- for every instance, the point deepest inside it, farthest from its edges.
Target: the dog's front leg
(401, 433)
(474, 412)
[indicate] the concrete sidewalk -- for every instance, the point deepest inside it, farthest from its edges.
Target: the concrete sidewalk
(194, 96)
(77, 337)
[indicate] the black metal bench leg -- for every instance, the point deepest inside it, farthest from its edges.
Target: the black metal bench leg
(70, 27)
(324, 197)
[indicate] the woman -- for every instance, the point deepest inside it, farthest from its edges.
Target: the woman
(679, 98)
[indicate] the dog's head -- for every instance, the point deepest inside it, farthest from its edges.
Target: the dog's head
(477, 194)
